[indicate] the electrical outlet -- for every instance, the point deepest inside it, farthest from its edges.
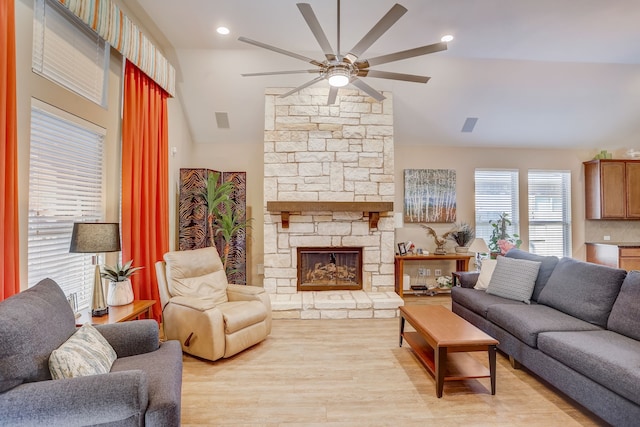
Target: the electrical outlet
(438, 272)
(428, 272)
(607, 237)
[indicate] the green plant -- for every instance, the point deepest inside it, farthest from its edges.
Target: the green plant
(463, 234)
(120, 272)
(224, 218)
(499, 233)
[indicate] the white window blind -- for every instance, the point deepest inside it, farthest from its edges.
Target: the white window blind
(66, 51)
(65, 185)
(496, 191)
(550, 212)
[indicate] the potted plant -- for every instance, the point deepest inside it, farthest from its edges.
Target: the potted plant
(120, 291)
(463, 235)
(224, 218)
(501, 241)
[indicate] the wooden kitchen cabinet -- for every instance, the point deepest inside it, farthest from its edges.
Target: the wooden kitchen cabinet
(617, 255)
(612, 189)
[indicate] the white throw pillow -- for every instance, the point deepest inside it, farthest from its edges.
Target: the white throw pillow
(86, 352)
(514, 279)
(486, 271)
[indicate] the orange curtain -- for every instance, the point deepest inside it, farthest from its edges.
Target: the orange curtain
(145, 181)
(9, 264)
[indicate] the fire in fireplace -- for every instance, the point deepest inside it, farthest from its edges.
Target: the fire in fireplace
(329, 268)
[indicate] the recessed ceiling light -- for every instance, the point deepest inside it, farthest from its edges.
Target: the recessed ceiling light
(223, 30)
(447, 38)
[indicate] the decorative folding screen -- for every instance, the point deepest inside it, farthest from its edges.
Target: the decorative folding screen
(193, 230)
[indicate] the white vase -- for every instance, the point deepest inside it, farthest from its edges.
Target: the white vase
(462, 249)
(120, 293)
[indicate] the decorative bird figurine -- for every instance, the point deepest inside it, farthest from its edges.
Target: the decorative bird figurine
(440, 241)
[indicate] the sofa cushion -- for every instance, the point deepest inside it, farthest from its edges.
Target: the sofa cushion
(211, 286)
(625, 314)
(547, 265)
(478, 300)
(241, 314)
(514, 279)
(582, 289)
(486, 271)
(33, 323)
(606, 357)
(525, 322)
(86, 352)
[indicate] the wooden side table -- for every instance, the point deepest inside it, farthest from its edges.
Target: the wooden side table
(138, 309)
(462, 264)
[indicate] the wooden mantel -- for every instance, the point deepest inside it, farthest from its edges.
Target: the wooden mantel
(370, 209)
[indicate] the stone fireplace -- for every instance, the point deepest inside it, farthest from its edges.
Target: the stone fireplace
(329, 182)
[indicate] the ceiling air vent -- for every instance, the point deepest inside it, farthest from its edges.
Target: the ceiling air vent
(469, 124)
(222, 120)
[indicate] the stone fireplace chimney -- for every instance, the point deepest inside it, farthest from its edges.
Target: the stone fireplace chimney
(315, 153)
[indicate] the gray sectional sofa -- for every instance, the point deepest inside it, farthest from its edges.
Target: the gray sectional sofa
(143, 387)
(581, 332)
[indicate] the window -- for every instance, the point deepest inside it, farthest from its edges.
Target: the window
(550, 212)
(65, 185)
(66, 51)
(496, 192)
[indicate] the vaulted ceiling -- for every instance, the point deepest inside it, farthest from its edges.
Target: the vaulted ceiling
(536, 73)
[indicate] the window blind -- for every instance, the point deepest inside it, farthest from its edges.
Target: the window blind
(550, 212)
(65, 185)
(68, 53)
(496, 191)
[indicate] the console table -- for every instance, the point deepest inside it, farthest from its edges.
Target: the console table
(462, 264)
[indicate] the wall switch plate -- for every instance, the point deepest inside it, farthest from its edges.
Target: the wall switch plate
(607, 237)
(438, 272)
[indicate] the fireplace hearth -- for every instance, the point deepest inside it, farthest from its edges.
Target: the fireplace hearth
(329, 268)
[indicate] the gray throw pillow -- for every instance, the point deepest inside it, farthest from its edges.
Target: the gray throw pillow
(514, 279)
(625, 314)
(547, 265)
(583, 290)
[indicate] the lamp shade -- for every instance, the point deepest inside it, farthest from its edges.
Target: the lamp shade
(479, 246)
(95, 237)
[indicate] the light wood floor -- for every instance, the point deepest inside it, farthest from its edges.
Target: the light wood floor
(352, 373)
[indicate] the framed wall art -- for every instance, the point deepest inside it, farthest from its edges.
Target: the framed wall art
(429, 195)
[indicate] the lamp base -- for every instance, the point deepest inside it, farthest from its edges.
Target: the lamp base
(99, 312)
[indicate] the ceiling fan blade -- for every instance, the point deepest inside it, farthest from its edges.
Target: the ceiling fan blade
(274, 73)
(393, 76)
(299, 88)
(316, 29)
(367, 89)
(333, 93)
(282, 51)
(405, 54)
(378, 30)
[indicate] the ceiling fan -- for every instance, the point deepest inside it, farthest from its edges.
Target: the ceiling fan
(340, 70)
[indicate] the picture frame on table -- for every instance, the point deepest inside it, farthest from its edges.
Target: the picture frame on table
(402, 248)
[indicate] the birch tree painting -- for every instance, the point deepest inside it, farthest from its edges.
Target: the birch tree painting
(429, 195)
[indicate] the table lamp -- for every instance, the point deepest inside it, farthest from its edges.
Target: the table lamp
(96, 237)
(479, 246)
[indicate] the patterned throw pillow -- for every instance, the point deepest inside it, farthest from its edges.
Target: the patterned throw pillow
(86, 352)
(514, 279)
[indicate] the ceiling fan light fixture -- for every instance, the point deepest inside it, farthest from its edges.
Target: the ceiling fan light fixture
(338, 76)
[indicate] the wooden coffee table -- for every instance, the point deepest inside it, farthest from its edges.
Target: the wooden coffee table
(442, 342)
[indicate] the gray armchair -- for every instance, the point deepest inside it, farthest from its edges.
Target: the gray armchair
(142, 389)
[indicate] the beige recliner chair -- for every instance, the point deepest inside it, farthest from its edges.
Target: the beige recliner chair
(210, 317)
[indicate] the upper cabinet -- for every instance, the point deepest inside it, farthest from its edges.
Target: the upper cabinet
(612, 189)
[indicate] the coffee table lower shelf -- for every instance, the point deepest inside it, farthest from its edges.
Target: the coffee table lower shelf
(459, 366)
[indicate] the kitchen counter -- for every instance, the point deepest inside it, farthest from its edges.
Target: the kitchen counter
(625, 255)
